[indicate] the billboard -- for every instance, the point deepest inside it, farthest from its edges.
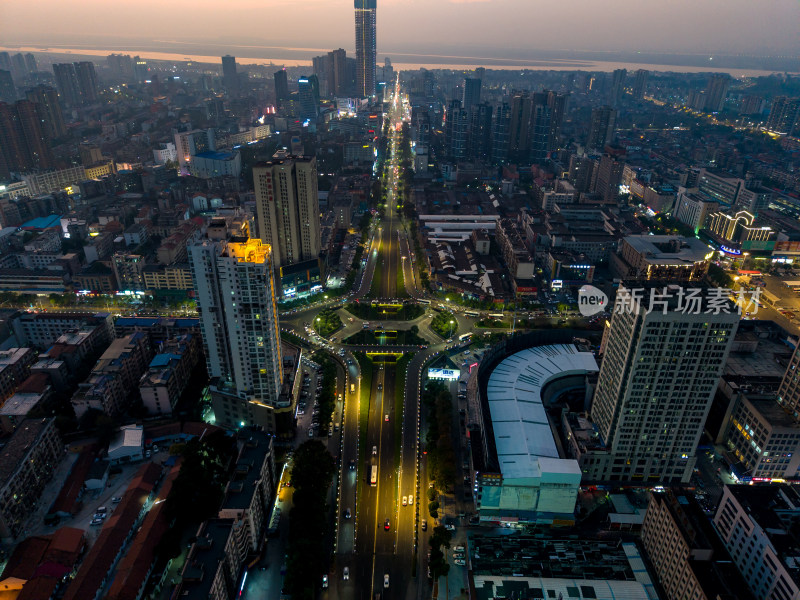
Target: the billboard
(443, 374)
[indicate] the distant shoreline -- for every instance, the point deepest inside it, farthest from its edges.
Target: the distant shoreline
(420, 61)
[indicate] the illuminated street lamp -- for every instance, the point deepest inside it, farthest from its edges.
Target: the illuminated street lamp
(451, 327)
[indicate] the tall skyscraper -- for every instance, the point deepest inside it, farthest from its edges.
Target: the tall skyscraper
(558, 105)
(500, 132)
(308, 92)
(87, 81)
(617, 87)
(365, 46)
(789, 390)
(664, 353)
(337, 73)
(230, 78)
(716, 91)
(601, 127)
(140, 70)
(121, 65)
(287, 207)
(281, 87)
(640, 83)
(609, 176)
(67, 83)
(519, 127)
(46, 98)
(32, 123)
(540, 129)
(30, 63)
(18, 66)
(471, 94)
(784, 115)
(232, 274)
(23, 143)
(456, 123)
(5, 61)
(8, 92)
(479, 138)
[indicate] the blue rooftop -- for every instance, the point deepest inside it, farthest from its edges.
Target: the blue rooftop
(43, 222)
(163, 360)
(140, 321)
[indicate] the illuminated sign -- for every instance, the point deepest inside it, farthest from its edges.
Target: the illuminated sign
(448, 374)
(557, 284)
(733, 251)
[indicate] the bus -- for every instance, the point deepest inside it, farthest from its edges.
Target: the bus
(470, 313)
(423, 301)
(373, 478)
(464, 337)
(495, 315)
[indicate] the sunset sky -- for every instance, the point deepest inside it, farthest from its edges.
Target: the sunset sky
(463, 27)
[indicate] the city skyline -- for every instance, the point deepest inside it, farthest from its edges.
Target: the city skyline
(682, 27)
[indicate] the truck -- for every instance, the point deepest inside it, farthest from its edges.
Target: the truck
(373, 478)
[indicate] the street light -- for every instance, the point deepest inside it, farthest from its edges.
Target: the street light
(451, 328)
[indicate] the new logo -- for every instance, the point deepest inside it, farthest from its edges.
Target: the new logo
(591, 300)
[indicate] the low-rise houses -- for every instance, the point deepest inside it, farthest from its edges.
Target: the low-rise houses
(114, 376)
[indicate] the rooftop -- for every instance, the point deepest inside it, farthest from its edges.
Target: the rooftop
(522, 430)
(668, 249)
(130, 436)
(247, 472)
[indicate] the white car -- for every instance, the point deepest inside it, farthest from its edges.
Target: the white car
(405, 500)
(410, 500)
(346, 574)
(386, 581)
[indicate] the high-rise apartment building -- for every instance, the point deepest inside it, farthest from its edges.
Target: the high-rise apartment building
(67, 83)
(456, 123)
(640, 83)
(281, 87)
(46, 99)
(287, 208)
(87, 81)
(337, 73)
(665, 350)
(617, 88)
(557, 103)
(23, 143)
(789, 390)
(479, 139)
(230, 78)
(233, 281)
(500, 133)
(609, 176)
(541, 118)
(471, 94)
(365, 46)
(601, 127)
(716, 91)
(36, 139)
(784, 115)
(31, 64)
(8, 91)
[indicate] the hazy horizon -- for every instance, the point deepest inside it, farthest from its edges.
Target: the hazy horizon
(425, 27)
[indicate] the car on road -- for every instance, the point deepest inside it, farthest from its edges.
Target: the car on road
(310, 432)
(352, 465)
(405, 500)
(346, 574)
(347, 514)
(380, 387)
(386, 525)
(386, 581)
(324, 581)
(450, 527)
(424, 525)
(386, 418)
(96, 522)
(410, 500)
(460, 562)
(374, 450)
(116, 500)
